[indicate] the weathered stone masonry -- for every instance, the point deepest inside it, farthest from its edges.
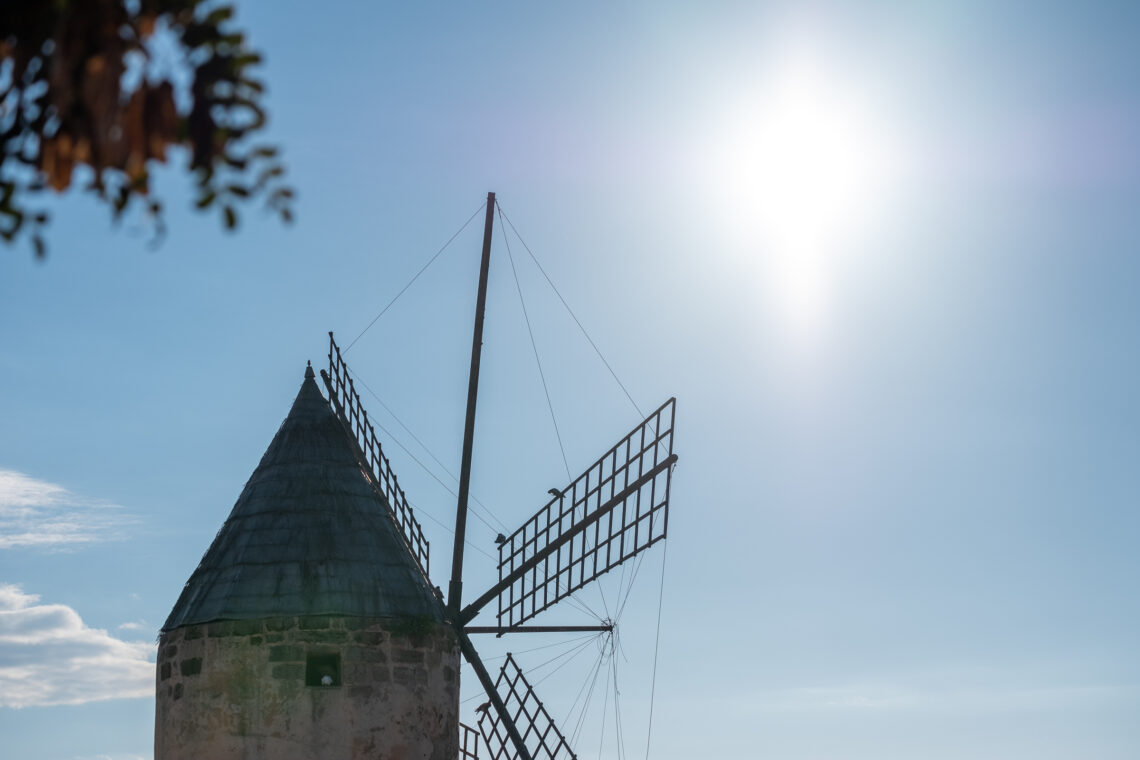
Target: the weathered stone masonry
(237, 689)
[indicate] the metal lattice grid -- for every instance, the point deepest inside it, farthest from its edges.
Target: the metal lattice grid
(468, 742)
(615, 509)
(541, 737)
(345, 399)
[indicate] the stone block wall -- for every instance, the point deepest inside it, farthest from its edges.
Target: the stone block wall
(238, 689)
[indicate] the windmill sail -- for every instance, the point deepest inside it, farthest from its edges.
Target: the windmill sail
(346, 402)
(541, 737)
(468, 742)
(611, 512)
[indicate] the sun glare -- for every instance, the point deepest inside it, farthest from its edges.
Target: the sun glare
(803, 171)
(811, 163)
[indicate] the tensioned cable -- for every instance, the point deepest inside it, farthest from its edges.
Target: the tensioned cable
(577, 650)
(625, 566)
(579, 603)
(442, 466)
(417, 276)
(656, 647)
(534, 347)
(429, 472)
(566, 643)
(605, 705)
(562, 665)
(618, 733)
(593, 681)
(437, 521)
(605, 606)
(633, 579)
(417, 460)
(629, 588)
(569, 310)
(573, 651)
(432, 474)
(420, 510)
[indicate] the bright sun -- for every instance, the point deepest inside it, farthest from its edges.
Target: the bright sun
(804, 170)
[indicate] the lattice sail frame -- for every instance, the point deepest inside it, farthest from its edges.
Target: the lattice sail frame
(468, 742)
(541, 737)
(615, 509)
(346, 401)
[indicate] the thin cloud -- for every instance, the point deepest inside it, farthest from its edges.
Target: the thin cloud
(133, 625)
(48, 656)
(36, 513)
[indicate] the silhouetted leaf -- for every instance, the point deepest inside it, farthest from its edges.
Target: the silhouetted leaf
(219, 15)
(64, 67)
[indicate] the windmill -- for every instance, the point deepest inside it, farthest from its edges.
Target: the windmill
(311, 627)
(613, 511)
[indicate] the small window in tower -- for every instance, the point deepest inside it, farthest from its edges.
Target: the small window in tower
(322, 669)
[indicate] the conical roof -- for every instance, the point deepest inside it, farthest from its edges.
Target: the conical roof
(307, 536)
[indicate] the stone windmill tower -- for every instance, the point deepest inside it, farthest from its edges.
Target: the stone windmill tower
(308, 629)
(311, 629)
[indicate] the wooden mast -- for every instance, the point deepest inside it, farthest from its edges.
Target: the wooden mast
(455, 589)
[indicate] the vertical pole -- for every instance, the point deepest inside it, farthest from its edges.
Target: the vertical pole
(455, 589)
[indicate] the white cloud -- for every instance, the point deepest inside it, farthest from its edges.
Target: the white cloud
(133, 625)
(48, 656)
(36, 513)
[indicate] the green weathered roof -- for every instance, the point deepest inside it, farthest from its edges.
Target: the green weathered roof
(307, 536)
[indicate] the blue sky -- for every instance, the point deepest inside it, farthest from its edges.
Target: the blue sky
(904, 518)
